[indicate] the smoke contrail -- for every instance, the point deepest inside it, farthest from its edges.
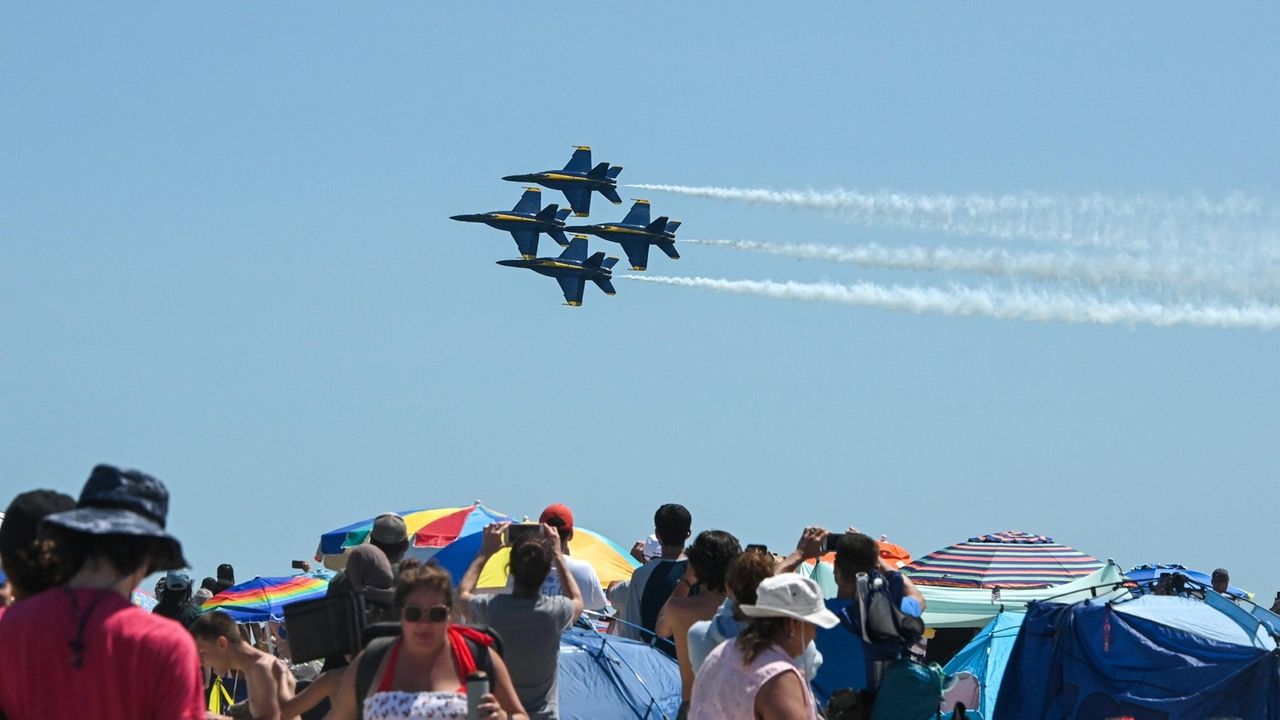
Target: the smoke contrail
(1094, 271)
(1098, 220)
(989, 302)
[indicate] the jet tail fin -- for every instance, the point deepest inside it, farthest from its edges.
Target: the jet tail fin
(598, 172)
(595, 260)
(609, 262)
(559, 236)
(670, 250)
(611, 195)
(673, 226)
(548, 213)
(613, 171)
(563, 214)
(657, 227)
(606, 285)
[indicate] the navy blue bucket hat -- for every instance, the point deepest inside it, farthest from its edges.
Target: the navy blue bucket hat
(124, 502)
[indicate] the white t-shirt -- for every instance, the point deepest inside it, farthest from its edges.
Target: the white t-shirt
(585, 576)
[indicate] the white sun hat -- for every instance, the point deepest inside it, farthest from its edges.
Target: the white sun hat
(791, 596)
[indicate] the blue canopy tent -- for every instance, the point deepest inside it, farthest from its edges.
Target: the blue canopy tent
(1151, 658)
(605, 676)
(986, 656)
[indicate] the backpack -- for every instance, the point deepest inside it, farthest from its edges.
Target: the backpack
(909, 690)
(886, 630)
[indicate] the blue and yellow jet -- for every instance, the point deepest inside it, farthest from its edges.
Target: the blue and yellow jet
(577, 180)
(525, 221)
(635, 234)
(573, 269)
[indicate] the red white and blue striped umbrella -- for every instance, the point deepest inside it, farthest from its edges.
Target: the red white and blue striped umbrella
(1010, 559)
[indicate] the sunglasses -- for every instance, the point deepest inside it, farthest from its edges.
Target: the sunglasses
(414, 614)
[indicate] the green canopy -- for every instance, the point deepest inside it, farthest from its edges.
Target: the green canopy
(947, 607)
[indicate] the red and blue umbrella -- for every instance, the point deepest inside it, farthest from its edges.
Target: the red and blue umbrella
(610, 561)
(1010, 559)
(427, 529)
(264, 598)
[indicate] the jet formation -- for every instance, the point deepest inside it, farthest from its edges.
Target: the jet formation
(573, 268)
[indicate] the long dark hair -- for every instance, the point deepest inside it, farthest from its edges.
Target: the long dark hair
(759, 634)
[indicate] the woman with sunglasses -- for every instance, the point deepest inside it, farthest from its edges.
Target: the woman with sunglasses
(421, 674)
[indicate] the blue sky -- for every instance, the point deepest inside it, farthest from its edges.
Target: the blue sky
(226, 258)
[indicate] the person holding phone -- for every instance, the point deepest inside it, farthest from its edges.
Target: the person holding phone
(529, 622)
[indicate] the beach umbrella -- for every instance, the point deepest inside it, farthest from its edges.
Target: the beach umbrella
(609, 560)
(1152, 572)
(428, 530)
(1010, 559)
(264, 598)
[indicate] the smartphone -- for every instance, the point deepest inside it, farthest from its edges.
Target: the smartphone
(299, 565)
(832, 540)
(517, 532)
(758, 548)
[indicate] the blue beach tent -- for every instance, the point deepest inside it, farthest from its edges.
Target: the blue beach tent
(1151, 658)
(605, 676)
(986, 656)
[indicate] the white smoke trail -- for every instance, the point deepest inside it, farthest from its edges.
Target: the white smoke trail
(1187, 275)
(1136, 222)
(989, 302)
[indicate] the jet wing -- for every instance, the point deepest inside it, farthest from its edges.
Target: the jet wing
(637, 253)
(527, 242)
(572, 287)
(639, 214)
(580, 200)
(581, 160)
(670, 250)
(530, 202)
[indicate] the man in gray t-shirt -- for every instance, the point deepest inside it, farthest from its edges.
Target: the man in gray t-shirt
(528, 622)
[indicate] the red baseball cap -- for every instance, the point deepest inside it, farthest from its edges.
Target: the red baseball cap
(560, 512)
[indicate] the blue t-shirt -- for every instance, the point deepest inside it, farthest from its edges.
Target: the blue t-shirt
(846, 663)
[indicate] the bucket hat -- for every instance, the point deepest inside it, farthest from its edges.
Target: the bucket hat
(791, 596)
(124, 502)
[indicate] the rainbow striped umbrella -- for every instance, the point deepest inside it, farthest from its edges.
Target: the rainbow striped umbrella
(264, 598)
(609, 560)
(430, 529)
(143, 599)
(1010, 559)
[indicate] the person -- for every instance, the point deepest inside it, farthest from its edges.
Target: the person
(640, 599)
(709, 557)
(528, 622)
(757, 674)
(560, 517)
(848, 661)
(30, 561)
(419, 675)
(224, 651)
(371, 568)
(226, 578)
(84, 647)
(1221, 580)
(745, 573)
(176, 603)
(6, 592)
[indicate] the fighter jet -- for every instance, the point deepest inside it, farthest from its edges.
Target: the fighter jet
(577, 180)
(635, 234)
(525, 221)
(573, 269)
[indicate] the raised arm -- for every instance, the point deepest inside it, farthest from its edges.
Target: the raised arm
(568, 584)
(807, 548)
(490, 543)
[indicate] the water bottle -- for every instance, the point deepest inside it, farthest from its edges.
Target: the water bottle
(477, 688)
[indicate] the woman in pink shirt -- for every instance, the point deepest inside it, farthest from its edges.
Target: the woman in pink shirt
(757, 674)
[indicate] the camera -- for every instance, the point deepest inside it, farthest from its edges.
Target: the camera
(755, 547)
(519, 532)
